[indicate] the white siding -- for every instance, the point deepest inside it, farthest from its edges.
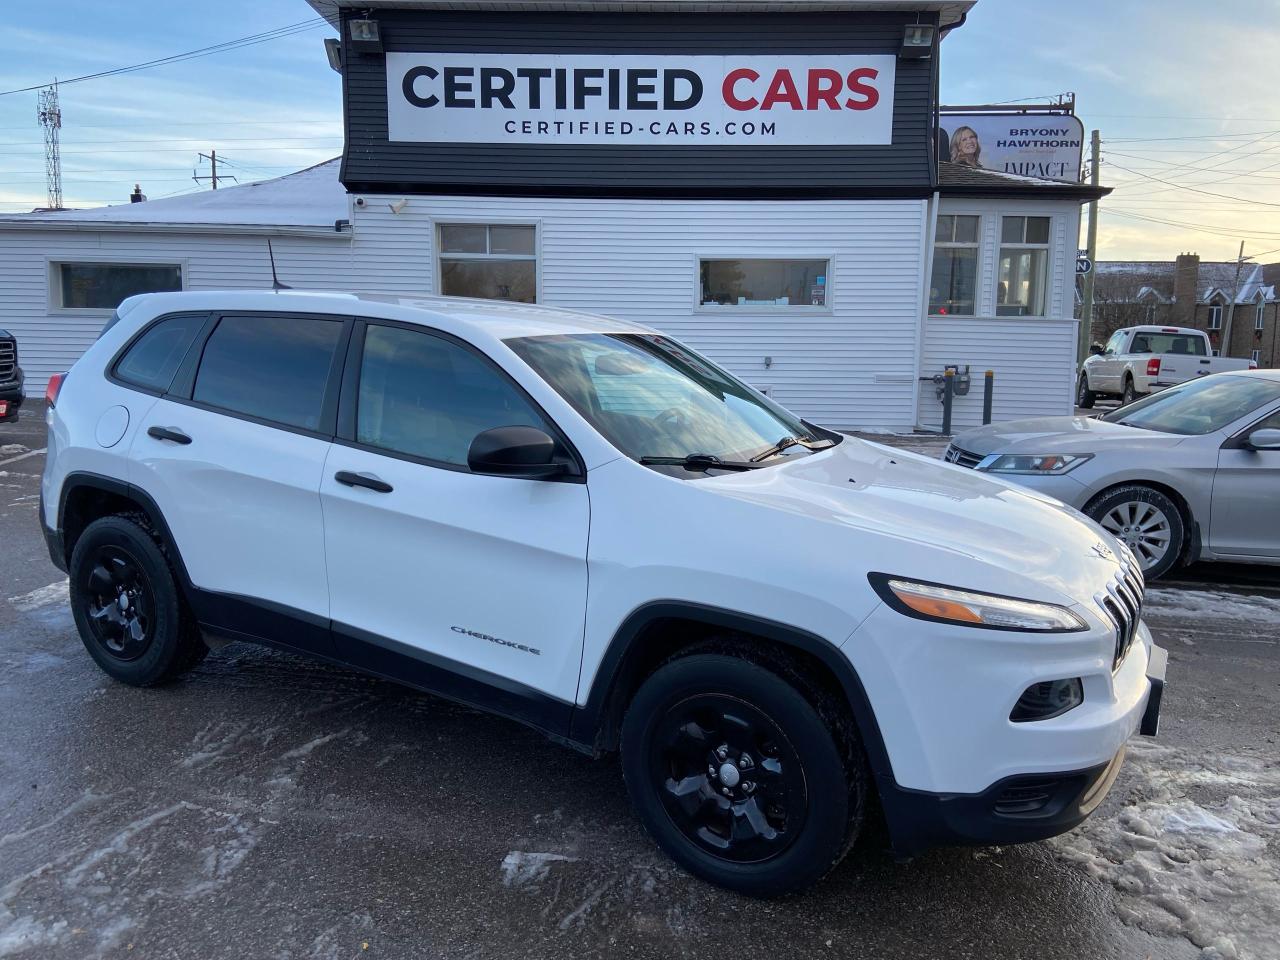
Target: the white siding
(50, 340)
(853, 365)
(1033, 359)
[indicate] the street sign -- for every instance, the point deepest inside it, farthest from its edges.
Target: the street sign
(1083, 266)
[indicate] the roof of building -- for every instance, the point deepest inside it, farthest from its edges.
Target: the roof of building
(1133, 280)
(961, 180)
(308, 200)
(950, 12)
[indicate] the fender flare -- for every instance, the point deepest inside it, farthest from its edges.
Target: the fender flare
(590, 718)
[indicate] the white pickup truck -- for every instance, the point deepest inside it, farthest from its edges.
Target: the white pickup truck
(1140, 360)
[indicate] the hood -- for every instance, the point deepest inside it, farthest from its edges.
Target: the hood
(1043, 435)
(948, 524)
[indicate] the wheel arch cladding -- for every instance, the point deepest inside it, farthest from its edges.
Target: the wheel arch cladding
(87, 496)
(655, 632)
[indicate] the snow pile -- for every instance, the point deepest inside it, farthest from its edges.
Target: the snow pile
(520, 867)
(42, 597)
(1215, 604)
(1185, 868)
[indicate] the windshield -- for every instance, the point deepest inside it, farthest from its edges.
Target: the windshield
(1198, 406)
(650, 397)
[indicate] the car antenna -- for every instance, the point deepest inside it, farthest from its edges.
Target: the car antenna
(275, 281)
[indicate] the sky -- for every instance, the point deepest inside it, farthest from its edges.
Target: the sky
(1185, 102)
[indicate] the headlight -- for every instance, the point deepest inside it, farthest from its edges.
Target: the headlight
(1042, 464)
(931, 601)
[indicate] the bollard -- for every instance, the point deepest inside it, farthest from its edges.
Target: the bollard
(948, 393)
(988, 383)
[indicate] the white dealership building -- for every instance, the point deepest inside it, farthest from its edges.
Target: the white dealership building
(763, 180)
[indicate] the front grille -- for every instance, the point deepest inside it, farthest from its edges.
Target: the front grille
(1122, 602)
(8, 359)
(961, 458)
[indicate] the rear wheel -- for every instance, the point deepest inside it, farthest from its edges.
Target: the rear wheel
(738, 777)
(127, 607)
(1145, 519)
(1130, 392)
(1085, 398)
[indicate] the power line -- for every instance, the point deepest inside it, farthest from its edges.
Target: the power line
(1205, 136)
(1181, 186)
(276, 34)
(1221, 230)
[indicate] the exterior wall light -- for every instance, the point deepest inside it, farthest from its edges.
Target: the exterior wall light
(917, 41)
(364, 36)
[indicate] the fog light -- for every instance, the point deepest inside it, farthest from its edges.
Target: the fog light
(1043, 701)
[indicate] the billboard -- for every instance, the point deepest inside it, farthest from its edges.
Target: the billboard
(1042, 145)
(731, 100)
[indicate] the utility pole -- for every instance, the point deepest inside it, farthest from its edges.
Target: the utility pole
(214, 176)
(50, 116)
(1091, 251)
(1231, 307)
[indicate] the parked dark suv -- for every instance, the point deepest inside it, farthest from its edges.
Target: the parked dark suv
(11, 395)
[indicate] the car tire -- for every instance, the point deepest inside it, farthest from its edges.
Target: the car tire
(127, 605)
(740, 777)
(1085, 398)
(1147, 520)
(1130, 393)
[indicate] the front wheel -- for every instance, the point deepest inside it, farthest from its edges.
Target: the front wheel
(1085, 398)
(739, 777)
(1145, 519)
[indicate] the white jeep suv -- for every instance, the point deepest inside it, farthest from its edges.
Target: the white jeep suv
(585, 526)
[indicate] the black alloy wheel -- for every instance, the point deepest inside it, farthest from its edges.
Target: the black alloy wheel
(119, 603)
(731, 781)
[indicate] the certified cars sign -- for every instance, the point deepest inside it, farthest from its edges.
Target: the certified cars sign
(639, 100)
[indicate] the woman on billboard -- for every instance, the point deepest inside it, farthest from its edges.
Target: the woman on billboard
(965, 147)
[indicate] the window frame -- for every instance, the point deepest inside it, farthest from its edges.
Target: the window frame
(349, 398)
(1214, 318)
(1046, 271)
(1259, 315)
(53, 275)
(183, 386)
(1256, 356)
(440, 256)
(197, 343)
(827, 309)
(978, 278)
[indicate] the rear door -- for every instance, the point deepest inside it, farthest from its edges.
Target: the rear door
(472, 585)
(233, 455)
(1244, 519)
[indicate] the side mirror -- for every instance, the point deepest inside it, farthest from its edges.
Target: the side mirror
(515, 452)
(1265, 439)
(1096, 350)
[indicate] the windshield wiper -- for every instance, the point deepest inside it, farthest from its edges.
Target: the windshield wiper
(698, 463)
(786, 443)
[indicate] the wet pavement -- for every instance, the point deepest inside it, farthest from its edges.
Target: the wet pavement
(267, 806)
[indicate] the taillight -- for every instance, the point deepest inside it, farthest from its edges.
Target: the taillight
(54, 388)
(1153, 367)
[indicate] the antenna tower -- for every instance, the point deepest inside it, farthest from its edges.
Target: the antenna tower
(50, 115)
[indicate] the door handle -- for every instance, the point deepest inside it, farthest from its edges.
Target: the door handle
(366, 480)
(172, 434)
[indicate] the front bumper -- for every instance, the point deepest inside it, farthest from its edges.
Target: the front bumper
(11, 397)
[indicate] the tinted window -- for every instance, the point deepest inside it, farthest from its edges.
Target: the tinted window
(101, 286)
(154, 357)
(275, 368)
(428, 397)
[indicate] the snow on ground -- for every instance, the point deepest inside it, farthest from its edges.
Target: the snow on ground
(1212, 604)
(42, 597)
(1198, 868)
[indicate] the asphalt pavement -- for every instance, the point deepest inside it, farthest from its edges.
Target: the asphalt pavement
(268, 806)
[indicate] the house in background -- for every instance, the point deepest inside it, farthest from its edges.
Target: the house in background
(1191, 293)
(62, 273)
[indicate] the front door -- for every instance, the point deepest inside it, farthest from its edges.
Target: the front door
(1244, 521)
(473, 585)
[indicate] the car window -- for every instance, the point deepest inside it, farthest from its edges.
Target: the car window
(1199, 406)
(428, 397)
(153, 359)
(1116, 343)
(272, 367)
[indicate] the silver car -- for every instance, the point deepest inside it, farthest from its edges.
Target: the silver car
(1192, 473)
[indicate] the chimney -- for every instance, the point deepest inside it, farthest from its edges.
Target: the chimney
(1186, 285)
(137, 196)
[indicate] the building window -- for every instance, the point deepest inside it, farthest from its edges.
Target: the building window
(1024, 255)
(1217, 352)
(1215, 316)
(953, 290)
(102, 286)
(489, 261)
(1257, 315)
(1256, 356)
(763, 283)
